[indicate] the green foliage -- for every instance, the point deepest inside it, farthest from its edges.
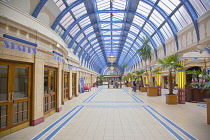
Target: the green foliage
(129, 75)
(156, 70)
(171, 62)
(124, 65)
(120, 78)
(101, 79)
(194, 72)
(146, 50)
(124, 77)
(200, 84)
(139, 72)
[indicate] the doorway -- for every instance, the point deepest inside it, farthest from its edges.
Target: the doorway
(49, 91)
(74, 85)
(15, 95)
(65, 86)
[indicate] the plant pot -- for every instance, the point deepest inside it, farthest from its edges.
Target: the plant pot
(171, 99)
(143, 89)
(152, 91)
(207, 100)
(129, 84)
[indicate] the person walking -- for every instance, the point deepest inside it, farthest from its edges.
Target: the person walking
(134, 86)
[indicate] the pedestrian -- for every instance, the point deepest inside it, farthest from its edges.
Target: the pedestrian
(134, 86)
(97, 84)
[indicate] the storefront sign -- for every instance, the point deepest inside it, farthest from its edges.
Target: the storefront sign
(57, 58)
(15, 46)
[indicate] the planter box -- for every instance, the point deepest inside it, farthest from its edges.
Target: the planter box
(196, 95)
(129, 84)
(208, 109)
(143, 89)
(171, 99)
(152, 91)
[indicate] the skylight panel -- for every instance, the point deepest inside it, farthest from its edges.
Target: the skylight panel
(79, 10)
(119, 15)
(74, 30)
(87, 47)
(89, 30)
(81, 36)
(67, 20)
(156, 39)
(134, 29)
(92, 42)
(106, 33)
(139, 42)
(128, 40)
(92, 36)
(155, 21)
(117, 38)
(131, 36)
(167, 6)
(149, 29)
(84, 22)
(116, 33)
(157, 16)
(103, 4)
(106, 26)
(117, 25)
(70, 1)
(143, 8)
(83, 43)
(119, 4)
(137, 20)
(103, 16)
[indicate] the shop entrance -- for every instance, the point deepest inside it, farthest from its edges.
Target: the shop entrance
(49, 91)
(66, 86)
(74, 85)
(15, 92)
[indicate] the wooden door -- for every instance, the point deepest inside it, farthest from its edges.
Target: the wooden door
(15, 92)
(65, 86)
(49, 91)
(74, 85)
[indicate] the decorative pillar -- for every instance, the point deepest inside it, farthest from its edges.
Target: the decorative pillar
(147, 79)
(158, 83)
(181, 85)
(59, 87)
(70, 86)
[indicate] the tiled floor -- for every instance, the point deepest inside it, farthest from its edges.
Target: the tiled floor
(120, 114)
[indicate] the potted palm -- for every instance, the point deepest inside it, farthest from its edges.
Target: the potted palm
(101, 79)
(171, 63)
(146, 52)
(124, 65)
(129, 76)
(141, 84)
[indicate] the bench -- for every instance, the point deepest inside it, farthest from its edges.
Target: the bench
(86, 88)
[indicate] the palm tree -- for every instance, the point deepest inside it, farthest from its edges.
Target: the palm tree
(101, 79)
(146, 53)
(124, 65)
(172, 64)
(139, 73)
(129, 75)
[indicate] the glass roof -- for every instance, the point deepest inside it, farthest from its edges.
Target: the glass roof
(98, 28)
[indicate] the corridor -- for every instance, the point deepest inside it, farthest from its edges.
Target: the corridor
(120, 114)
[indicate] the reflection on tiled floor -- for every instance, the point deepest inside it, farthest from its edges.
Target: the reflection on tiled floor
(119, 114)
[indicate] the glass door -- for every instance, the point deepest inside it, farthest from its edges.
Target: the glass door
(74, 85)
(15, 89)
(49, 91)
(66, 86)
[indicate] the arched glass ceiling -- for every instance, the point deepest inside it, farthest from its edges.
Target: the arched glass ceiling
(95, 29)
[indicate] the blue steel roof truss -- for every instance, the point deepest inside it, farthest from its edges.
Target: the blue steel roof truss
(109, 28)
